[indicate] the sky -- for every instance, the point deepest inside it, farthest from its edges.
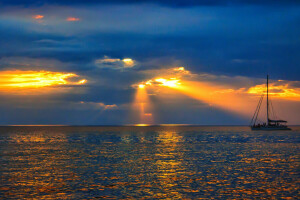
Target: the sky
(116, 62)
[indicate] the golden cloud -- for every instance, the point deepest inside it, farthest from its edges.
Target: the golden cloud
(23, 80)
(281, 89)
(235, 94)
(38, 17)
(115, 63)
(72, 19)
(168, 77)
(98, 105)
(128, 62)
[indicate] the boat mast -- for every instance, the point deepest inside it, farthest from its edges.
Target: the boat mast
(268, 99)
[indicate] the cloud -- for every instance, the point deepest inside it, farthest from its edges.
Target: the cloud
(173, 78)
(38, 17)
(223, 40)
(172, 3)
(72, 19)
(25, 82)
(209, 42)
(35, 64)
(108, 107)
(170, 77)
(97, 105)
(115, 63)
(279, 89)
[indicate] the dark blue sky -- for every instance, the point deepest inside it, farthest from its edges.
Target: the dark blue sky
(240, 40)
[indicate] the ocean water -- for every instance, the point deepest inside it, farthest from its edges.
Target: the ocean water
(168, 162)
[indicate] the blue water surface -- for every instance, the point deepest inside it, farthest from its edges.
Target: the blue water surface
(166, 162)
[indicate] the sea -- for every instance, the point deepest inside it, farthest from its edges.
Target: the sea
(148, 162)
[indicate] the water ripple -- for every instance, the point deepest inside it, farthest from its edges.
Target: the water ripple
(148, 163)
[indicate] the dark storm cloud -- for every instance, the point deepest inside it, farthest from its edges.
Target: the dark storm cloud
(17, 40)
(172, 3)
(220, 40)
(221, 54)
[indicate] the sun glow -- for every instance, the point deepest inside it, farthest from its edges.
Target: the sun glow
(227, 97)
(128, 62)
(141, 86)
(168, 82)
(214, 95)
(172, 82)
(83, 81)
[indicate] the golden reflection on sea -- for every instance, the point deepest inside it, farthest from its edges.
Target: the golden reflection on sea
(168, 164)
(38, 168)
(148, 163)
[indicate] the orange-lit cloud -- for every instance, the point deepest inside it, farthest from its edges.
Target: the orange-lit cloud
(232, 96)
(108, 60)
(109, 107)
(219, 96)
(142, 104)
(238, 95)
(38, 17)
(170, 78)
(115, 63)
(128, 62)
(212, 94)
(169, 82)
(280, 89)
(181, 70)
(96, 105)
(172, 82)
(174, 72)
(23, 80)
(141, 86)
(72, 19)
(83, 81)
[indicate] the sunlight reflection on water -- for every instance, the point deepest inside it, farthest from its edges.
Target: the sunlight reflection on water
(148, 162)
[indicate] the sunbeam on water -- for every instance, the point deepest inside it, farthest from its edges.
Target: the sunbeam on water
(166, 162)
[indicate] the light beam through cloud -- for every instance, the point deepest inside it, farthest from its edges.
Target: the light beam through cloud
(142, 106)
(241, 101)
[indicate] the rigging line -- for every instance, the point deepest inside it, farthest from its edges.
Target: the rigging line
(257, 114)
(256, 110)
(270, 109)
(273, 110)
(259, 105)
(275, 113)
(271, 114)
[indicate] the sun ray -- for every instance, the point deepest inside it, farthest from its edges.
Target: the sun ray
(218, 96)
(143, 106)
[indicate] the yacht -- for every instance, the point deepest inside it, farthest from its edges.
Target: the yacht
(270, 124)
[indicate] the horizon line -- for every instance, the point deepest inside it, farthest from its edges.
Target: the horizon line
(122, 125)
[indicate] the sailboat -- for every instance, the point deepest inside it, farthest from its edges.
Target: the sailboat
(271, 124)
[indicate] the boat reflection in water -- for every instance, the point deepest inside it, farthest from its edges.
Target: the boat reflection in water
(147, 162)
